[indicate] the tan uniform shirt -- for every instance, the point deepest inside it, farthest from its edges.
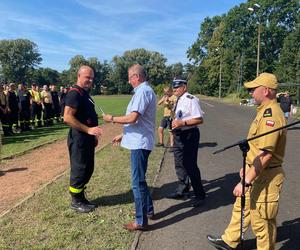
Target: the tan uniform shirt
(168, 105)
(269, 117)
(3, 99)
(46, 95)
(36, 96)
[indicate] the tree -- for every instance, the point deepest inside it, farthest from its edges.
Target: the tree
(75, 63)
(101, 72)
(17, 59)
(177, 69)
(45, 76)
(198, 51)
(235, 34)
(153, 62)
(65, 78)
(288, 68)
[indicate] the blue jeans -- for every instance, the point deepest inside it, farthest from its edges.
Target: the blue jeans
(142, 198)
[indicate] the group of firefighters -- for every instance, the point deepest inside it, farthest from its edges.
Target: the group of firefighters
(23, 109)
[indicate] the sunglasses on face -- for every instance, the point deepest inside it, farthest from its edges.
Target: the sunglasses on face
(251, 90)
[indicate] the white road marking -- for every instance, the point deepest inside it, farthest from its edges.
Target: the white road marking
(208, 104)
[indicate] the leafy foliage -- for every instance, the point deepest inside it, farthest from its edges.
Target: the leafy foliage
(17, 59)
(229, 42)
(224, 54)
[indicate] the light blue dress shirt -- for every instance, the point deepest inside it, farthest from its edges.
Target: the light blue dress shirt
(140, 135)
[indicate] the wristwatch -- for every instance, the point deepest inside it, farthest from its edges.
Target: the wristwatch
(248, 184)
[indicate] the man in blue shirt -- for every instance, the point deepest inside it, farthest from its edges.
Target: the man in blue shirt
(138, 137)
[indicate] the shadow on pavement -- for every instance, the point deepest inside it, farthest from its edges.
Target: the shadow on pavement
(293, 128)
(219, 193)
(288, 233)
(161, 192)
(207, 145)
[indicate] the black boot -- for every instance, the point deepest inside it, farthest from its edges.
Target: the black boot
(86, 201)
(79, 204)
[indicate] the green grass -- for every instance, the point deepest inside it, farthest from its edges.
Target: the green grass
(112, 103)
(20, 143)
(46, 221)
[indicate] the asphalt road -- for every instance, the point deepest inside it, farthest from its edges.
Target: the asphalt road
(179, 226)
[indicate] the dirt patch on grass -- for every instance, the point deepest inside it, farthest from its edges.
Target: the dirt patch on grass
(21, 176)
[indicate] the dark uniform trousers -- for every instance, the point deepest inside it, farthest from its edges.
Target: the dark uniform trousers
(36, 114)
(48, 114)
(186, 143)
(25, 117)
(81, 150)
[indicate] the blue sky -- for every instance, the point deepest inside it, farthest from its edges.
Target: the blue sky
(105, 28)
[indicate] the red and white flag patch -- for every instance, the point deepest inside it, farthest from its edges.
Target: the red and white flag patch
(270, 123)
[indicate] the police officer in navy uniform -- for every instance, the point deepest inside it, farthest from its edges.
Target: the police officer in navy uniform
(81, 116)
(188, 115)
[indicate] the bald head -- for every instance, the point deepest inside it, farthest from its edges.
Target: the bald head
(85, 77)
(84, 68)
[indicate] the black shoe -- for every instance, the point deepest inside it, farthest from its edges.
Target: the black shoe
(84, 200)
(198, 202)
(90, 204)
(151, 215)
(81, 207)
(218, 243)
(8, 133)
(159, 145)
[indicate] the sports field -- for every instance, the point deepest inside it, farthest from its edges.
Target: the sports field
(45, 221)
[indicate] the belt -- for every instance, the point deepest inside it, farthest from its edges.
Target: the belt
(183, 130)
(273, 167)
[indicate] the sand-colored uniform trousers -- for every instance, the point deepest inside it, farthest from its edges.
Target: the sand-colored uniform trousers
(261, 212)
(262, 198)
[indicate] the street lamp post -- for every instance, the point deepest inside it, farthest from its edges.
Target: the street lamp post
(220, 73)
(254, 9)
(220, 78)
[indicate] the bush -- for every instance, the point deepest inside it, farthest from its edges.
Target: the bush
(159, 89)
(194, 88)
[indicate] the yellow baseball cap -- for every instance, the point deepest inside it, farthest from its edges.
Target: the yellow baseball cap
(264, 79)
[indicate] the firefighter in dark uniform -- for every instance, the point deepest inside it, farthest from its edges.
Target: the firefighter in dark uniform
(24, 107)
(12, 109)
(188, 115)
(55, 102)
(3, 110)
(81, 116)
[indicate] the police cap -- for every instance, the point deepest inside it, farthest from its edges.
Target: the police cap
(178, 81)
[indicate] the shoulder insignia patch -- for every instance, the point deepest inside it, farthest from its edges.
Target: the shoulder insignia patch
(179, 114)
(268, 113)
(270, 123)
(190, 96)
